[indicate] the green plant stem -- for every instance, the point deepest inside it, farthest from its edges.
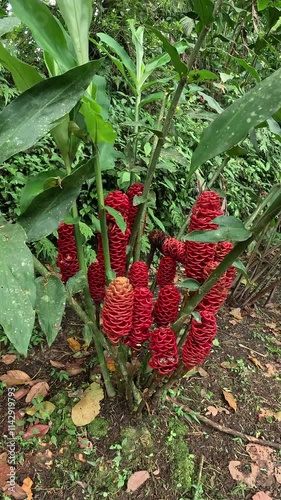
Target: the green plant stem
(136, 131)
(218, 172)
(102, 216)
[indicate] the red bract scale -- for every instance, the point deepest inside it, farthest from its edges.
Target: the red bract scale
(199, 341)
(136, 189)
(164, 351)
(167, 305)
(118, 242)
(222, 251)
(208, 200)
(117, 311)
(138, 274)
(198, 255)
(175, 249)
(119, 201)
(230, 275)
(67, 260)
(96, 280)
(215, 298)
(166, 271)
(142, 318)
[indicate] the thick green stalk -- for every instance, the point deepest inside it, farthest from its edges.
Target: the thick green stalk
(102, 216)
(136, 131)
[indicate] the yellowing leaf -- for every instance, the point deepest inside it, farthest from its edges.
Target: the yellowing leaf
(46, 408)
(26, 486)
(230, 399)
(88, 408)
(110, 364)
(74, 345)
(236, 313)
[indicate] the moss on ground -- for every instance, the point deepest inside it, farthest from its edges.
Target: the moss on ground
(182, 461)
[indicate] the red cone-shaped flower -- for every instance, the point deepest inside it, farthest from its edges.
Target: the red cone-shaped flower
(117, 313)
(222, 251)
(215, 298)
(142, 318)
(118, 242)
(166, 271)
(138, 274)
(175, 249)
(119, 201)
(96, 280)
(136, 189)
(67, 260)
(208, 201)
(199, 341)
(167, 305)
(164, 351)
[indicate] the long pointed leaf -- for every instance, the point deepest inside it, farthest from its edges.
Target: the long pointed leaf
(36, 111)
(120, 52)
(77, 15)
(24, 76)
(179, 66)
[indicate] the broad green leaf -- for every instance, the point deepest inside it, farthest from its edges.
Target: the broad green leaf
(190, 284)
(237, 151)
(24, 76)
(50, 305)
(211, 102)
(231, 126)
(46, 30)
(250, 69)
(49, 208)
(61, 136)
(118, 218)
(36, 111)
(204, 9)
(99, 129)
(230, 229)
(35, 185)
(241, 268)
(262, 4)
(152, 97)
(179, 66)
(77, 15)
(17, 287)
(120, 52)
(7, 24)
(201, 75)
(77, 283)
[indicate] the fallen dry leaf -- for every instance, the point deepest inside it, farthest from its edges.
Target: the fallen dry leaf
(214, 410)
(230, 399)
(202, 372)
(236, 313)
(26, 486)
(36, 430)
(21, 393)
(74, 345)
(80, 457)
(18, 493)
(4, 470)
(57, 364)
(15, 377)
(256, 362)
(136, 480)
(8, 359)
(261, 495)
(272, 326)
(73, 369)
(271, 370)
(277, 474)
(249, 478)
(84, 443)
(39, 389)
(269, 413)
(156, 472)
(228, 364)
(88, 408)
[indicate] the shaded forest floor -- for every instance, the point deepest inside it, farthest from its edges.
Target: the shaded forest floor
(239, 386)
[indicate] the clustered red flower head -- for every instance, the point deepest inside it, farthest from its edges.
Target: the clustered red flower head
(96, 280)
(175, 249)
(222, 251)
(166, 271)
(214, 299)
(199, 341)
(117, 313)
(138, 274)
(135, 189)
(118, 242)
(119, 201)
(142, 318)
(67, 260)
(164, 351)
(167, 305)
(198, 255)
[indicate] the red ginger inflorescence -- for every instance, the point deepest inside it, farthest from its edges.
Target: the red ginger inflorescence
(118, 242)
(199, 341)
(138, 274)
(166, 271)
(142, 318)
(135, 189)
(96, 280)
(119, 201)
(174, 248)
(117, 313)
(222, 251)
(198, 255)
(163, 347)
(167, 305)
(67, 260)
(214, 299)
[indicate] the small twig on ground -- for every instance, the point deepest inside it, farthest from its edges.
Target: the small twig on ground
(252, 350)
(226, 430)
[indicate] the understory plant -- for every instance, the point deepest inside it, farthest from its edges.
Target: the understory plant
(152, 329)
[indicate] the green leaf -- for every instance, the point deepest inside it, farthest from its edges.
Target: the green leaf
(211, 102)
(120, 52)
(231, 126)
(36, 111)
(118, 218)
(49, 208)
(156, 220)
(190, 284)
(17, 287)
(250, 69)
(204, 9)
(24, 76)
(77, 15)
(7, 24)
(241, 268)
(99, 129)
(35, 185)
(179, 66)
(152, 97)
(262, 4)
(46, 30)
(50, 305)
(77, 283)
(201, 75)
(237, 151)
(197, 316)
(230, 229)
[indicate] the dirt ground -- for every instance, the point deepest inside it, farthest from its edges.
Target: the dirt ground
(237, 387)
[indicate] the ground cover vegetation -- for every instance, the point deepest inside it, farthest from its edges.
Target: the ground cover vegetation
(140, 184)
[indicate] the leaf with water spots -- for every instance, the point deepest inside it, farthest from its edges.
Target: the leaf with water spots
(50, 305)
